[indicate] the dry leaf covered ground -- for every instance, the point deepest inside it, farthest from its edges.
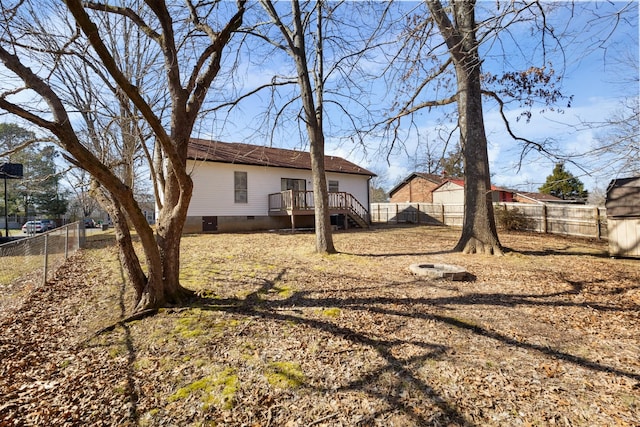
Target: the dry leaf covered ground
(546, 335)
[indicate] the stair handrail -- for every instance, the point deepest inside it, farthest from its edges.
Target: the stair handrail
(357, 208)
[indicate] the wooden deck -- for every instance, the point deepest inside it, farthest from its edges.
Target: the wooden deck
(293, 203)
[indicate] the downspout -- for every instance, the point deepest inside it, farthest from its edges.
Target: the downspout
(369, 198)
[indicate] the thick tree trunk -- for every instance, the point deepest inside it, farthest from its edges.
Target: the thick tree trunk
(126, 253)
(479, 234)
(324, 236)
(313, 116)
(168, 290)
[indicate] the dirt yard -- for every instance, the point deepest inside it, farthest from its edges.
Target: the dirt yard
(547, 335)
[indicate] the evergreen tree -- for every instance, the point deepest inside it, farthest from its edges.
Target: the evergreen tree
(38, 192)
(561, 183)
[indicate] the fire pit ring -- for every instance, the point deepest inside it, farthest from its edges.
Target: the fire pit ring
(439, 271)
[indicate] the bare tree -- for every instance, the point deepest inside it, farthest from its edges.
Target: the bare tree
(328, 93)
(186, 35)
(616, 151)
(479, 229)
(442, 51)
(311, 92)
(79, 181)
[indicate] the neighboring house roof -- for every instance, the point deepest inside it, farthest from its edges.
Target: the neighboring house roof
(246, 154)
(436, 179)
(539, 197)
(460, 183)
(623, 197)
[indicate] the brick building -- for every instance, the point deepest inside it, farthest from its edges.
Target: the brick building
(417, 187)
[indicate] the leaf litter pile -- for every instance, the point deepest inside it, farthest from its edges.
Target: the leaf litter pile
(280, 336)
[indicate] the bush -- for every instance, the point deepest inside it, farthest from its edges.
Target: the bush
(512, 219)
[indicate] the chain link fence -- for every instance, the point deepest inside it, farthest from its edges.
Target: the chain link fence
(35, 259)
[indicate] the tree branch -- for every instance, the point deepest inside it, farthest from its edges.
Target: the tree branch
(126, 12)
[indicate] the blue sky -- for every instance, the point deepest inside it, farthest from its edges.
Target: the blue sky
(591, 74)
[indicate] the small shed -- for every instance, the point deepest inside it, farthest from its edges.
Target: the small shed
(623, 217)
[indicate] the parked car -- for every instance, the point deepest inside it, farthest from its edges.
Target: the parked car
(33, 227)
(48, 224)
(89, 223)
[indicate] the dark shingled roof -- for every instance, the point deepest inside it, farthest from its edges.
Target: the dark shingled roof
(539, 197)
(436, 179)
(246, 154)
(623, 198)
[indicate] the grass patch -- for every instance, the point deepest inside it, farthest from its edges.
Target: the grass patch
(331, 312)
(218, 389)
(285, 375)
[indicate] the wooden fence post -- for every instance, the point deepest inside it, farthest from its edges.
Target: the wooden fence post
(544, 218)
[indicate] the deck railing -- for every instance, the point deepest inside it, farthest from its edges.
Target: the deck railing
(291, 200)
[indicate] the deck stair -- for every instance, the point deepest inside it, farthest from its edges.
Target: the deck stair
(294, 203)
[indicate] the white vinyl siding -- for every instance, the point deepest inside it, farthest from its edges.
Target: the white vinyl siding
(213, 187)
(356, 185)
(449, 194)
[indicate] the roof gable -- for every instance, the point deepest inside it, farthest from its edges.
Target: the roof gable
(247, 154)
(436, 179)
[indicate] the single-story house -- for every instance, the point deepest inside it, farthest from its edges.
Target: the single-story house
(529, 197)
(417, 187)
(241, 187)
(451, 192)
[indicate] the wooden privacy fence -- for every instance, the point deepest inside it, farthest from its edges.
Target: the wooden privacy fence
(571, 220)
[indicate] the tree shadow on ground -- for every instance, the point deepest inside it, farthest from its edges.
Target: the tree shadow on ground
(254, 305)
(289, 310)
(405, 307)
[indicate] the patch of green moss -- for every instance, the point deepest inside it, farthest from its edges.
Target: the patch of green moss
(115, 352)
(218, 389)
(284, 291)
(188, 327)
(285, 375)
(332, 312)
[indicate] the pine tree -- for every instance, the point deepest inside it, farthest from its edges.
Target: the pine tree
(561, 183)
